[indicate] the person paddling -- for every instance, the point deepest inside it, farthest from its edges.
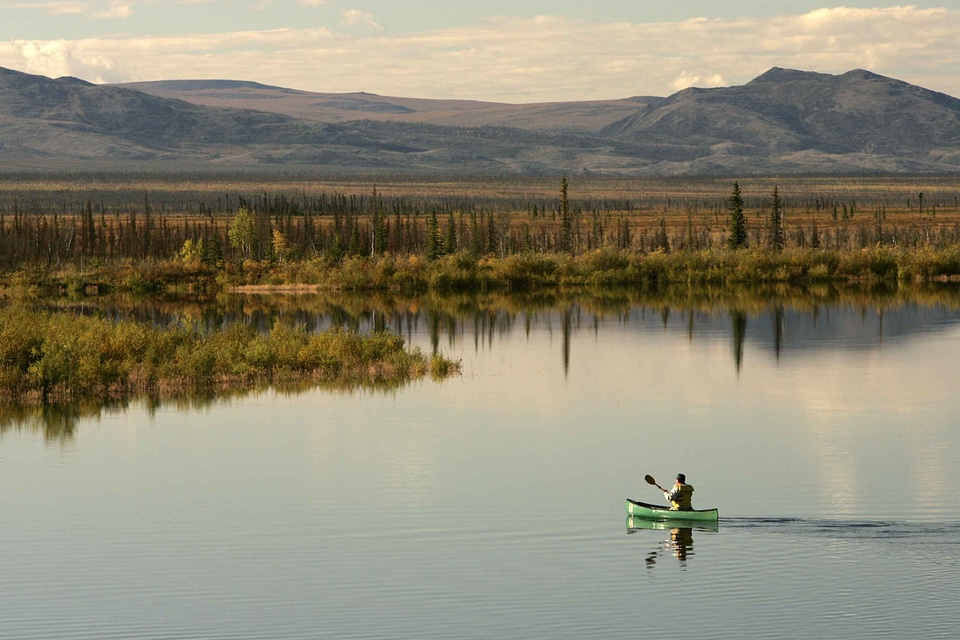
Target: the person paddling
(681, 495)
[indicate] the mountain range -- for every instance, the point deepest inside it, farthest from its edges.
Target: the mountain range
(782, 122)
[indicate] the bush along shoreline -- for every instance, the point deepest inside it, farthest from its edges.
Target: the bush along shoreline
(53, 358)
(464, 272)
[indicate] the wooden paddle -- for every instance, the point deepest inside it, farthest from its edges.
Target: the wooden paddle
(650, 480)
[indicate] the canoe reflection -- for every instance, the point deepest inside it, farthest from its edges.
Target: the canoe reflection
(680, 542)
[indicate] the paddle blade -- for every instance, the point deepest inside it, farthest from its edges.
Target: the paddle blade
(650, 480)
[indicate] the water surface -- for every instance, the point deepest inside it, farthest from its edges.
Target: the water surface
(491, 505)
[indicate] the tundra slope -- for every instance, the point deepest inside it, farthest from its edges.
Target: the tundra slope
(783, 122)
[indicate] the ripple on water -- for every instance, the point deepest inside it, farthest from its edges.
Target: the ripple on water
(788, 577)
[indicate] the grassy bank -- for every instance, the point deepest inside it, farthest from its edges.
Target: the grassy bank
(464, 272)
(59, 357)
(526, 272)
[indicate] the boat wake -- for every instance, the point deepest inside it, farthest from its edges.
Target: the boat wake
(844, 528)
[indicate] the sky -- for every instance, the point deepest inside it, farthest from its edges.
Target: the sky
(517, 51)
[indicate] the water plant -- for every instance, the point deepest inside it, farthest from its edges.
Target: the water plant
(59, 357)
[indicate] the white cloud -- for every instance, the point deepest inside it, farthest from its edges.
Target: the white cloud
(687, 79)
(524, 60)
(312, 3)
(117, 9)
(54, 8)
(358, 18)
(57, 58)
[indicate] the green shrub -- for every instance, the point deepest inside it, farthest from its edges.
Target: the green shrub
(61, 356)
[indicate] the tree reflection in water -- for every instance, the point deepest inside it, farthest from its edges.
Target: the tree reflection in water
(771, 318)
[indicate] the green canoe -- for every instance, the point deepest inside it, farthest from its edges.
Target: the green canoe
(655, 512)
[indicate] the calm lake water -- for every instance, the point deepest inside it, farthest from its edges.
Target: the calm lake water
(491, 505)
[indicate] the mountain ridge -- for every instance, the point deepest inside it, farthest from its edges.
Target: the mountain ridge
(782, 121)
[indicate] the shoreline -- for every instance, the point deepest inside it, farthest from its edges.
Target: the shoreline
(464, 272)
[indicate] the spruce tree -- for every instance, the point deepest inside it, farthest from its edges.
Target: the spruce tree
(434, 239)
(451, 241)
(566, 219)
(597, 233)
(662, 240)
(378, 226)
(88, 231)
(491, 235)
(738, 222)
(777, 236)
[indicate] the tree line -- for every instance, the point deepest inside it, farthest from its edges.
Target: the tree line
(281, 227)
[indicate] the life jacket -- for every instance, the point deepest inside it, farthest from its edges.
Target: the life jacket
(681, 497)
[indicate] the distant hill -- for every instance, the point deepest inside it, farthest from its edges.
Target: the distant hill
(858, 118)
(568, 117)
(784, 121)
